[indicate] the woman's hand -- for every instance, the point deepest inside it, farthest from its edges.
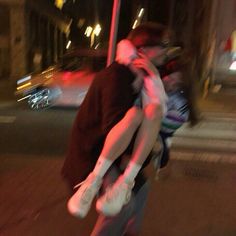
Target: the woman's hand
(145, 65)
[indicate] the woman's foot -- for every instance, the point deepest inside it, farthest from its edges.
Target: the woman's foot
(115, 197)
(80, 203)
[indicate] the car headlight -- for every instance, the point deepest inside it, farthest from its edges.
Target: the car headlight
(24, 79)
(23, 82)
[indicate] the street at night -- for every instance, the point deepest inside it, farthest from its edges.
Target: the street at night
(163, 69)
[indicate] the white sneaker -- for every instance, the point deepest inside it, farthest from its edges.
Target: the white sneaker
(114, 198)
(80, 203)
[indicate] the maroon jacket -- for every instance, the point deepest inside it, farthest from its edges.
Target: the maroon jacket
(108, 99)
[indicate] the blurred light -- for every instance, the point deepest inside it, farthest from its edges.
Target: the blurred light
(233, 66)
(88, 31)
(48, 70)
(135, 24)
(97, 46)
(23, 86)
(141, 13)
(81, 22)
(139, 18)
(97, 30)
(66, 76)
(67, 29)
(59, 3)
(68, 44)
(49, 76)
(23, 79)
(23, 98)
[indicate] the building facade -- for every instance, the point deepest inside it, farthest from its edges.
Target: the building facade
(203, 26)
(33, 35)
(12, 39)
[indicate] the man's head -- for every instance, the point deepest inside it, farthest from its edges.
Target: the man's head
(152, 39)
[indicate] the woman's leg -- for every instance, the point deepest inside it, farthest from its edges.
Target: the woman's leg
(147, 133)
(118, 195)
(121, 134)
(154, 105)
(145, 140)
(116, 142)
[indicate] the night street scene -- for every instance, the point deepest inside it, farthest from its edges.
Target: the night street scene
(52, 51)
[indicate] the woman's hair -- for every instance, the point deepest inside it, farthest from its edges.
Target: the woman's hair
(185, 65)
(149, 34)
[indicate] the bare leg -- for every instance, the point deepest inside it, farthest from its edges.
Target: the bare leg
(118, 140)
(121, 134)
(117, 196)
(147, 133)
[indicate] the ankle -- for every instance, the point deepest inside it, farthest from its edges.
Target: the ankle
(96, 176)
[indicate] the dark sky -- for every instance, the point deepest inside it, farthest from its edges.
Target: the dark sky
(97, 11)
(92, 11)
(100, 11)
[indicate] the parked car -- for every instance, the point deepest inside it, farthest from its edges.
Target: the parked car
(63, 84)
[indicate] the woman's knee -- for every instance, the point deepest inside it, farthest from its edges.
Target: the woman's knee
(153, 112)
(135, 116)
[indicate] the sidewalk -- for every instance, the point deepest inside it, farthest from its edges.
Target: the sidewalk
(222, 102)
(213, 139)
(7, 89)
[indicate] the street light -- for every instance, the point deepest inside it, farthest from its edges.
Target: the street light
(88, 31)
(97, 29)
(92, 32)
(68, 44)
(139, 18)
(59, 3)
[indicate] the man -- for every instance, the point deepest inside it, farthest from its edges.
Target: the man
(111, 95)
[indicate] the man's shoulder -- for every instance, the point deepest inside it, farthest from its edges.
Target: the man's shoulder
(115, 70)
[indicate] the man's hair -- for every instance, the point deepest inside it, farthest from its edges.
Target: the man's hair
(149, 34)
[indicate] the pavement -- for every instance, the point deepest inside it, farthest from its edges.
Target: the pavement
(194, 196)
(7, 89)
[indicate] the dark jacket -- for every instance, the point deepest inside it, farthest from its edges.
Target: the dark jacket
(108, 99)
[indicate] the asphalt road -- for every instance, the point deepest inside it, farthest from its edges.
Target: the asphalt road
(45, 132)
